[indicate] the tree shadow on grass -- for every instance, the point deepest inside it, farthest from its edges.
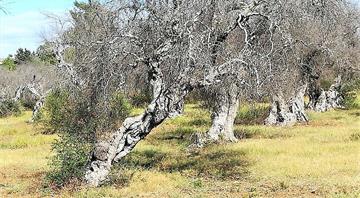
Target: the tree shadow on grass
(179, 137)
(355, 114)
(199, 122)
(209, 163)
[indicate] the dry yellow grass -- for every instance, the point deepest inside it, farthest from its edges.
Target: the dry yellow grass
(320, 159)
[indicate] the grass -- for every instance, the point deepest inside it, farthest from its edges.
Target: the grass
(319, 159)
(23, 157)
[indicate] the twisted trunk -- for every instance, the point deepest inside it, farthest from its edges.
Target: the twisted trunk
(21, 91)
(40, 100)
(167, 102)
(327, 100)
(287, 113)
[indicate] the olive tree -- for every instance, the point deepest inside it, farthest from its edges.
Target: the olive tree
(177, 43)
(317, 32)
(180, 46)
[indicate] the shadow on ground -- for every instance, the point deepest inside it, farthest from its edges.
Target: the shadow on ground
(208, 163)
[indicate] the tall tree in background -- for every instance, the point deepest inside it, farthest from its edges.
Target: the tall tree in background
(23, 56)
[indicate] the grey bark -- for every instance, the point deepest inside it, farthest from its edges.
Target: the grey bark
(287, 113)
(166, 103)
(280, 113)
(298, 105)
(37, 108)
(27, 89)
(223, 116)
(40, 99)
(328, 100)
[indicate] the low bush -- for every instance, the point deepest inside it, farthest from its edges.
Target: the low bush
(9, 107)
(9, 64)
(79, 124)
(52, 115)
(72, 121)
(350, 93)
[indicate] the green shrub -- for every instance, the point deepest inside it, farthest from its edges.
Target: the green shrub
(9, 107)
(70, 160)
(120, 107)
(52, 115)
(79, 125)
(9, 64)
(76, 139)
(350, 91)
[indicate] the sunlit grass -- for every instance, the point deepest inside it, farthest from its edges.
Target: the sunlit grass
(320, 158)
(23, 156)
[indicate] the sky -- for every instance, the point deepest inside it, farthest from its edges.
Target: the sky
(25, 22)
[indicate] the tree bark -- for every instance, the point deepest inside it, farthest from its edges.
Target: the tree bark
(298, 104)
(280, 113)
(223, 116)
(287, 113)
(40, 100)
(166, 103)
(36, 110)
(21, 91)
(327, 100)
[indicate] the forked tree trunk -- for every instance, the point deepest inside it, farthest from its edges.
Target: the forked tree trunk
(328, 100)
(30, 88)
(167, 102)
(223, 116)
(287, 113)
(22, 90)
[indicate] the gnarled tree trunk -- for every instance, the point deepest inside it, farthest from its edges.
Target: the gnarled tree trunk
(280, 113)
(285, 113)
(223, 116)
(167, 102)
(327, 100)
(298, 104)
(30, 89)
(27, 89)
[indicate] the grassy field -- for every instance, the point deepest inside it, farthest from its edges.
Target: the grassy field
(318, 159)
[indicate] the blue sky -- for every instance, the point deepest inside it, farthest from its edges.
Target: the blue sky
(25, 22)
